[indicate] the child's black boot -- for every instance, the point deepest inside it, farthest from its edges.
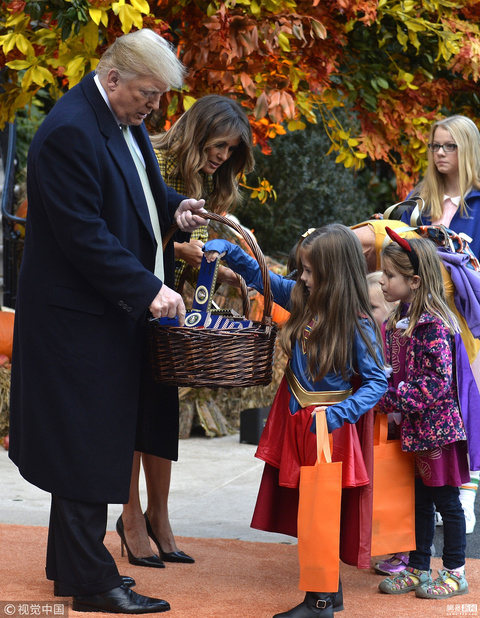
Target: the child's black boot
(314, 604)
(337, 598)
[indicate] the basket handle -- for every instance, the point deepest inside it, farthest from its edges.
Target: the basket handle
(252, 243)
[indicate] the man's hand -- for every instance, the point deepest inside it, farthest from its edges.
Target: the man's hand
(191, 252)
(185, 215)
(168, 304)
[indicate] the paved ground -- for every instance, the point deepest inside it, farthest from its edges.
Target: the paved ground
(213, 492)
(212, 495)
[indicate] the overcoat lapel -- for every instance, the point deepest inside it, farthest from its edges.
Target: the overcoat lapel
(117, 146)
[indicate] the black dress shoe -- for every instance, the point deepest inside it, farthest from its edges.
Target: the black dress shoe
(120, 600)
(172, 556)
(126, 580)
(149, 561)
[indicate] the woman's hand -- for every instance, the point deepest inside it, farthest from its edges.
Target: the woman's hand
(191, 252)
(226, 275)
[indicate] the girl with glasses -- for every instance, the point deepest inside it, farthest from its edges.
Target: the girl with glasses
(451, 185)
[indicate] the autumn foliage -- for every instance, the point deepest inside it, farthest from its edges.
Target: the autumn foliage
(396, 64)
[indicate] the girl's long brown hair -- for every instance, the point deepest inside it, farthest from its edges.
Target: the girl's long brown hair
(430, 296)
(210, 119)
(336, 304)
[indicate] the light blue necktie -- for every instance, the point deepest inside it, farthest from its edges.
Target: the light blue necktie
(152, 208)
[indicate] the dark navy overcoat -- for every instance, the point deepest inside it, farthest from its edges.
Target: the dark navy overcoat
(85, 284)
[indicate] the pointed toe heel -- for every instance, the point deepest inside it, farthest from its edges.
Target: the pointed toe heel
(173, 556)
(150, 561)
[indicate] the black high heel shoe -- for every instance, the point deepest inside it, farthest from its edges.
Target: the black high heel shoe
(150, 561)
(172, 556)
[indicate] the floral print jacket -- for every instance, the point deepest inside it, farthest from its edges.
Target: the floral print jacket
(427, 399)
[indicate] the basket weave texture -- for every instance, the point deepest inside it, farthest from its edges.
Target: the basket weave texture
(200, 357)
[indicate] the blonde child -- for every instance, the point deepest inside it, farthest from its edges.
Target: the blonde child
(381, 309)
(420, 346)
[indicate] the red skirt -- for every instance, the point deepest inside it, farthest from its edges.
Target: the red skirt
(287, 444)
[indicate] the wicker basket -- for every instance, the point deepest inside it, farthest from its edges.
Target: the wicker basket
(217, 358)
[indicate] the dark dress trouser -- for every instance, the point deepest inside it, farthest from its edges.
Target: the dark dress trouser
(77, 558)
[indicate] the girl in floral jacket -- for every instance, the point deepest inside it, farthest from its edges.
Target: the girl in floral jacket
(420, 347)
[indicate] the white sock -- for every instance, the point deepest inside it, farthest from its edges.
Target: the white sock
(457, 571)
(468, 491)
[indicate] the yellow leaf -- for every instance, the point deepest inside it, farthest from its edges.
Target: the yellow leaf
(8, 42)
(353, 142)
(19, 65)
(296, 125)
(23, 44)
(16, 19)
(128, 16)
(36, 75)
(349, 161)
(340, 157)
(342, 135)
(44, 37)
(96, 15)
(360, 155)
(188, 101)
(255, 9)
(402, 36)
(141, 5)
(284, 42)
(73, 67)
(90, 37)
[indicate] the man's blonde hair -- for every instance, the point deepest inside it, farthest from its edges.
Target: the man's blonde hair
(143, 53)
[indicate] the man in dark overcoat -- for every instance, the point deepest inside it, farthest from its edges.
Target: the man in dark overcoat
(90, 276)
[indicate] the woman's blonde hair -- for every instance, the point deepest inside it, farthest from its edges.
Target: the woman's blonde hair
(143, 53)
(430, 295)
(335, 305)
(466, 135)
(210, 119)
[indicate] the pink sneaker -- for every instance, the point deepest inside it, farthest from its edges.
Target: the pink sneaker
(394, 564)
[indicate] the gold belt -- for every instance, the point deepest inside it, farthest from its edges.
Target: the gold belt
(312, 398)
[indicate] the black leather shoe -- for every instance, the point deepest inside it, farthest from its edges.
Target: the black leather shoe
(314, 604)
(172, 556)
(120, 600)
(149, 561)
(127, 581)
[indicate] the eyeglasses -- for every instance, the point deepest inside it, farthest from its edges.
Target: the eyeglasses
(451, 147)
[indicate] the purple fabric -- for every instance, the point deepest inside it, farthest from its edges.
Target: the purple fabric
(469, 400)
(445, 465)
(399, 356)
(467, 287)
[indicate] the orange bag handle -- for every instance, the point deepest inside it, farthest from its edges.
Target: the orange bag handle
(380, 431)
(324, 446)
